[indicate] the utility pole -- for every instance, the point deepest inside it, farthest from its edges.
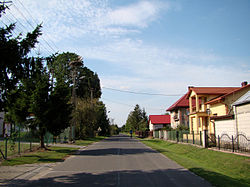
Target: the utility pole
(74, 65)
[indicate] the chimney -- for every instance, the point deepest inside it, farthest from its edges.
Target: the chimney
(243, 83)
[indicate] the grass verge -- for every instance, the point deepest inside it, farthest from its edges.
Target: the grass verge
(55, 154)
(89, 141)
(220, 169)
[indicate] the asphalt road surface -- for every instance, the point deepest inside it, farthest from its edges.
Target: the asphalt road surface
(118, 161)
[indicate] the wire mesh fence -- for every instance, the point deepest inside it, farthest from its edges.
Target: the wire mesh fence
(23, 140)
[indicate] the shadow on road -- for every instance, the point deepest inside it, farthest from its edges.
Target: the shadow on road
(114, 151)
(170, 177)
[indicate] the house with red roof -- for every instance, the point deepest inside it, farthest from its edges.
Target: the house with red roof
(208, 103)
(179, 112)
(159, 121)
(228, 114)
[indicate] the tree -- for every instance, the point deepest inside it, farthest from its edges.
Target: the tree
(137, 120)
(90, 117)
(86, 80)
(14, 55)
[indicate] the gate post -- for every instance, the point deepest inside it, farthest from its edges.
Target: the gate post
(232, 143)
(193, 137)
(200, 138)
(205, 139)
(219, 142)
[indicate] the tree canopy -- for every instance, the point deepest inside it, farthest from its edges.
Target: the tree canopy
(137, 120)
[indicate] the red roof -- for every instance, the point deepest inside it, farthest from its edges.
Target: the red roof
(218, 99)
(182, 102)
(160, 119)
(211, 90)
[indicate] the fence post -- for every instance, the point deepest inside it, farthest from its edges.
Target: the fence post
(187, 137)
(200, 138)
(19, 140)
(219, 142)
(205, 139)
(177, 136)
(193, 137)
(232, 143)
(6, 147)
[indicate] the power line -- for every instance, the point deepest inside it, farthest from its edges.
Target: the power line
(112, 101)
(34, 20)
(141, 93)
(30, 24)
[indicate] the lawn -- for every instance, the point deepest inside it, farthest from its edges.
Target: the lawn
(13, 150)
(55, 154)
(220, 169)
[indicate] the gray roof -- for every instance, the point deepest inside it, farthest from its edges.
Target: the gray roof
(243, 99)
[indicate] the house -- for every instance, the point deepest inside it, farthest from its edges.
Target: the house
(211, 103)
(158, 121)
(179, 112)
(242, 115)
(237, 117)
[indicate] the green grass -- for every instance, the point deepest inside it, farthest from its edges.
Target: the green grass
(24, 147)
(55, 154)
(89, 141)
(220, 169)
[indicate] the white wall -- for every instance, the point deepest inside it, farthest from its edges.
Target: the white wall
(225, 127)
(243, 119)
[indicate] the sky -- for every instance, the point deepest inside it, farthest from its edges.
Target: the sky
(144, 46)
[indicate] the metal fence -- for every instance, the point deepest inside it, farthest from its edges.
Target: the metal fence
(22, 140)
(179, 136)
(238, 143)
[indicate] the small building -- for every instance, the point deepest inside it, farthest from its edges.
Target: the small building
(159, 121)
(179, 112)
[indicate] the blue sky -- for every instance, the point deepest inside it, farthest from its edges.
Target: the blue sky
(153, 46)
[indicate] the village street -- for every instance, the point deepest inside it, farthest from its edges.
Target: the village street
(116, 161)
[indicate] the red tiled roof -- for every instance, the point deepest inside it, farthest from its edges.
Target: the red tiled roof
(211, 90)
(160, 119)
(182, 102)
(218, 99)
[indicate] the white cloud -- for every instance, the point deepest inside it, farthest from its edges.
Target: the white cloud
(160, 70)
(75, 19)
(138, 15)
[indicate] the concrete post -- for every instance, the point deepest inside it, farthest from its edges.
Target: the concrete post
(204, 139)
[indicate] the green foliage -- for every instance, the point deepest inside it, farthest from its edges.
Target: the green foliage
(55, 154)
(14, 55)
(114, 130)
(182, 128)
(137, 120)
(86, 80)
(90, 116)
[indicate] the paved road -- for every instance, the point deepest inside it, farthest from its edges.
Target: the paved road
(117, 161)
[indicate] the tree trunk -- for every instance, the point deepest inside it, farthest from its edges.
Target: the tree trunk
(42, 140)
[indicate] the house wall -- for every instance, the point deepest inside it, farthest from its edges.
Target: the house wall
(242, 118)
(182, 115)
(174, 123)
(154, 127)
(218, 108)
(150, 126)
(225, 127)
(234, 97)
